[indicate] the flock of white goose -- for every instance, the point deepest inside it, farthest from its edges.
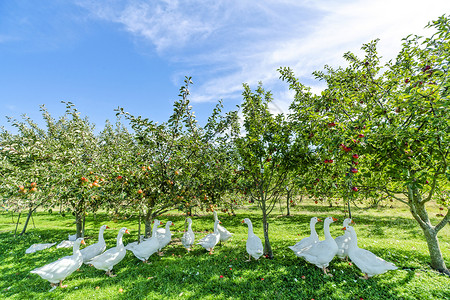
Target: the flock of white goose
(319, 253)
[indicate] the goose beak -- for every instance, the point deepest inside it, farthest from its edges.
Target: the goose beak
(344, 228)
(334, 219)
(126, 231)
(171, 224)
(82, 242)
(319, 220)
(161, 223)
(107, 227)
(220, 222)
(243, 221)
(352, 222)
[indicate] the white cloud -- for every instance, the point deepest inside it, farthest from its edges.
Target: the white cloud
(225, 43)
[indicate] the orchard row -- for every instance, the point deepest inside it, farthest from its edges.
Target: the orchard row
(376, 131)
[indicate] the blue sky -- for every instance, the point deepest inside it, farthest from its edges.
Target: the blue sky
(134, 54)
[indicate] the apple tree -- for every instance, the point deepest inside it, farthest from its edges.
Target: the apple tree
(395, 119)
(264, 154)
(27, 159)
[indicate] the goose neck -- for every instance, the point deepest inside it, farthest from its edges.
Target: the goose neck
(312, 227)
(326, 230)
(154, 230)
(119, 239)
(250, 228)
(100, 234)
(353, 239)
(76, 248)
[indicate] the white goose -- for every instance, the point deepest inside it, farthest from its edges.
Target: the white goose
(309, 240)
(211, 240)
(133, 244)
(149, 246)
(72, 237)
(224, 233)
(188, 237)
(164, 235)
(321, 253)
(38, 247)
(57, 271)
(93, 250)
(366, 261)
(343, 240)
(254, 245)
(111, 257)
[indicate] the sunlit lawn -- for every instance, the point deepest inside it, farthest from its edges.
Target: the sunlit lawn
(389, 233)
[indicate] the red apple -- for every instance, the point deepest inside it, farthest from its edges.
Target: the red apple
(355, 189)
(355, 156)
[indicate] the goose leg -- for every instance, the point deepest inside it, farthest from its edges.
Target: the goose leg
(110, 274)
(325, 270)
(365, 276)
(61, 285)
(54, 286)
(249, 258)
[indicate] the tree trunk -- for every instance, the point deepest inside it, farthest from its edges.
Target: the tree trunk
(288, 213)
(437, 261)
(30, 212)
(267, 247)
(419, 212)
(17, 224)
(148, 223)
(84, 225)
(139, 228)
(79, 223)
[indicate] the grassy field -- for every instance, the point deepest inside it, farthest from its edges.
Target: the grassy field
(390, 233)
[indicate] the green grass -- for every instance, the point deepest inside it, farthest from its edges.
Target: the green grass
(389, 233)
